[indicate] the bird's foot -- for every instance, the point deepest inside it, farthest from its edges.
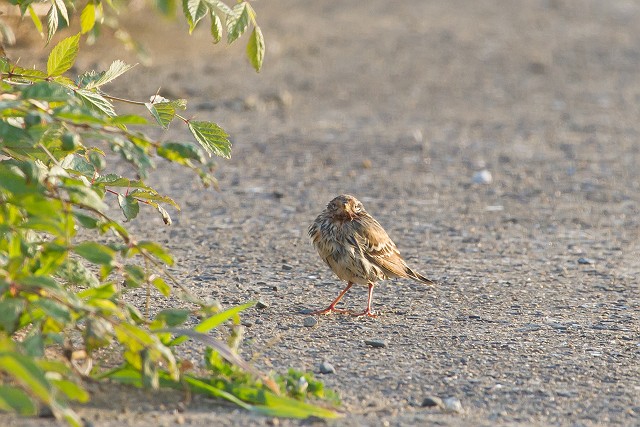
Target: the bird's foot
(329, 310)
(367, 312)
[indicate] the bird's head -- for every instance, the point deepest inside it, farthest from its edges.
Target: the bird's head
(345, 207)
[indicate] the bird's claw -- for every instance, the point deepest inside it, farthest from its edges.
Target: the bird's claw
(329, 310)
(367, 313)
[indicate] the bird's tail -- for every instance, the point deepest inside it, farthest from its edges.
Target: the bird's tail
(419, 277)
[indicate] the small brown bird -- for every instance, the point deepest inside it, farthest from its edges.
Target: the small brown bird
(356, 247)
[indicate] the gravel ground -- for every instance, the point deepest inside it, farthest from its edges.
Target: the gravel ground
(497, 142)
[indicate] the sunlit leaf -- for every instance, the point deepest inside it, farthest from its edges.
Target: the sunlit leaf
(88, 17)
(212, 138)
(63, 55)
(237, 22)
(255, 49)
(216, 27)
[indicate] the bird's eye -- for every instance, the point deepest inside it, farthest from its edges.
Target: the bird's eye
(357, 207)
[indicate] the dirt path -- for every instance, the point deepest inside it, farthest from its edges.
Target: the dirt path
(537, 317)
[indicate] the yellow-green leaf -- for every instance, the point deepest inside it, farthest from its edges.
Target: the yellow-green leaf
(63, 56)
(88, 17)
(255, 49)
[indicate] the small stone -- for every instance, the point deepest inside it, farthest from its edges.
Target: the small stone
(327, 368)
(431, 401)
(376, 343)
(180, 419)
(262, 304)
(310, 322)
(452, 404)
(586, 261)
(482, 177)
(286, 267)
(259, 321)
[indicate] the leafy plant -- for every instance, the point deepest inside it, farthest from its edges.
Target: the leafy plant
(66, 262)
(94, 15)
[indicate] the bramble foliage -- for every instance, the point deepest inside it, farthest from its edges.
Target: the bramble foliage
(66, 261)
(95, 14)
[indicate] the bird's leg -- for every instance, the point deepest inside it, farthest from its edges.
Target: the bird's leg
(332, 306)
(368, 312)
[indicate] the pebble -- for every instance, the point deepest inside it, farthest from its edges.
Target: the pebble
(310, 322)
(376, 343)
(286, 267)
(482, 177)
(262, 304)
(586, 261)
(431, 401)
(327, 368)
(452, 404)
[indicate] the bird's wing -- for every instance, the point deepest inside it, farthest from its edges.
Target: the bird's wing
(378, 248)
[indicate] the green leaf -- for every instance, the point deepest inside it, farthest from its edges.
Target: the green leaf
(214, 321)
(95, 252)
(212, 138)
(163, 112)
(173, 316)
(24, 371)
(85, 220)
(161, 285)
(152, 195)
(46, 91)
(95, 101)
(72, 390)
(194, 11)
(62, 8)
(13, 399)
(52, 22)
(181, 153)
(10, 311)
(237, 22)
(156, 250)
(63, 56)
(221, 6)
(116, 69)
(74, 272)
(88, 17)
(216, 27)
(255, 49)
(129, 206)
(36, 19)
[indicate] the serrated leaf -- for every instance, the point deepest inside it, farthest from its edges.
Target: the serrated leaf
(194, 11)
(216, 27)
(116, 69)
(237, 22)
(95, 101)
(163, 112)
(46, 91)
(52, 22)
(62, 8)
(113, 180)
(211, 137)
(95, 252)
(129, 205)
(255, 49)
(88, 17)
(63, 55)
(221, 6)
